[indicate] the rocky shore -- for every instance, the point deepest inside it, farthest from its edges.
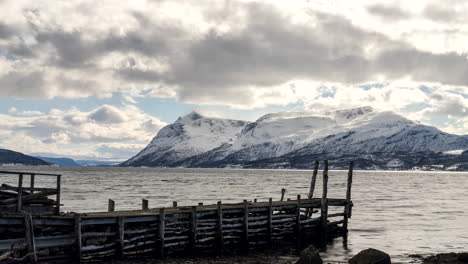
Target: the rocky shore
(310, 255)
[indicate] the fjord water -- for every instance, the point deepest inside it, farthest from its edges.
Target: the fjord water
(401, 213)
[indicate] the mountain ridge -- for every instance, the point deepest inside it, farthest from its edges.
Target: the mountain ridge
(378, 139)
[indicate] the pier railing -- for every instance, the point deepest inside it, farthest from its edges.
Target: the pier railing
(30, 199)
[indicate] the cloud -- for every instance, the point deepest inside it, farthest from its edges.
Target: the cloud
(388, 12)
(73, 130)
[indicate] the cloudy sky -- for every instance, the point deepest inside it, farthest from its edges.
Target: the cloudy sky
(98, 79)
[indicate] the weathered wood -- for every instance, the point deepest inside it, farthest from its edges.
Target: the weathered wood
(246, 226)
(324, 207)
(219, 231)
(78, 237)
(162, 221)
(255, 200)
(283, 191)
(174, 204)
(312, 186)
(144, 204)
(193, 229)
(19, 199)
(270, 221)
(298, 221)
(347, 209)
(31, 184)
(200, 204)
(57, 199)
(29, 237)
(121, 238)
(110, 206)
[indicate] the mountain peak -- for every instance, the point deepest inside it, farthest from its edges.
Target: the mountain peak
(192, 116)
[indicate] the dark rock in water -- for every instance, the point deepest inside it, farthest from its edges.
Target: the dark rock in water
(310, 255)
(447, 258)
(371, 256)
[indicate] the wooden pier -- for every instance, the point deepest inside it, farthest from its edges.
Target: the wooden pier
(172, 231)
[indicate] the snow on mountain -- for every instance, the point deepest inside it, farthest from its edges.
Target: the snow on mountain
(188, 136)
(294, 139)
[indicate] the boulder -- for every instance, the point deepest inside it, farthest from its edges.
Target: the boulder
(310, 255)
(447, 258)
(371, 256)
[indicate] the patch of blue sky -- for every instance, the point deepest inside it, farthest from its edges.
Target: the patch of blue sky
(415, 107)
(369, 86)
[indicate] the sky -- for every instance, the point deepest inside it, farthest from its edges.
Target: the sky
(98, 79)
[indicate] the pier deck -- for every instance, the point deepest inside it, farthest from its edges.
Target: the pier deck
(174, 231)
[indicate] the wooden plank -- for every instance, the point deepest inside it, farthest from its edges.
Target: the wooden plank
(27, 173)
(219, 231)
(110, 206)
(270, 221)
(78, 237)
(162, 221)
(31, 185)
(246, 226)
(29, 237)
(324, 207)
(347, 210)
(298, 222)
(193, 229)
(22, 198)
(59, 186)
(144, 204)
(312, 186)
(121, 239)
(19, 197)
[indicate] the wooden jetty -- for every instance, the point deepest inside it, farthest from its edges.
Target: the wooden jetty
(41, 233)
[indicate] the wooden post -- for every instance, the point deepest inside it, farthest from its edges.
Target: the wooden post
(162, 220)
(298, 222)
(200, 204)
(219, 232)
(255, 200)
(270, 222)
(193, 227)
(111, 206)
(324, 207)
(19, 199)
(29, 237)
(78, 240)
(144, 204)
(312, 187)
(246, 226)
(283, 191)
(174, 204)
(31, 185)
(59, 185)
(121, 232)
(347, 210)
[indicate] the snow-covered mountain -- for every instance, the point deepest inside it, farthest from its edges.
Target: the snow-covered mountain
(377, 139)
(188, 136)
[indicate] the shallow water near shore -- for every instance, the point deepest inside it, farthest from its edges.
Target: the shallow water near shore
(401, 213)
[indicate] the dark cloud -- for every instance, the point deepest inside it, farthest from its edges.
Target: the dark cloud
(5, 31)
(388, 12)
(443, 13)
(23, 84)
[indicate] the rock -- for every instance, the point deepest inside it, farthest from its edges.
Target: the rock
(310, 255)
(371, 256)
(447, 258)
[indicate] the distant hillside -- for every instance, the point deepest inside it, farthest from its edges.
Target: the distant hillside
(64, 162)
(8, 157)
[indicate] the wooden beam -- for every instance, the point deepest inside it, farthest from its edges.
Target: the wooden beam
(31, 185)
(29, 237)
(283, 191)
(193, 229)
(110, 205)
(19, 198)
(144, 204)
(324, 207)
(246, 226)
(162, 221)
(121, 233)
(78, 238)
(347, 210)
(174, 204)
(59, 186)
(270, 222)
(298, 222)
(219, 231)
(312, 186)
